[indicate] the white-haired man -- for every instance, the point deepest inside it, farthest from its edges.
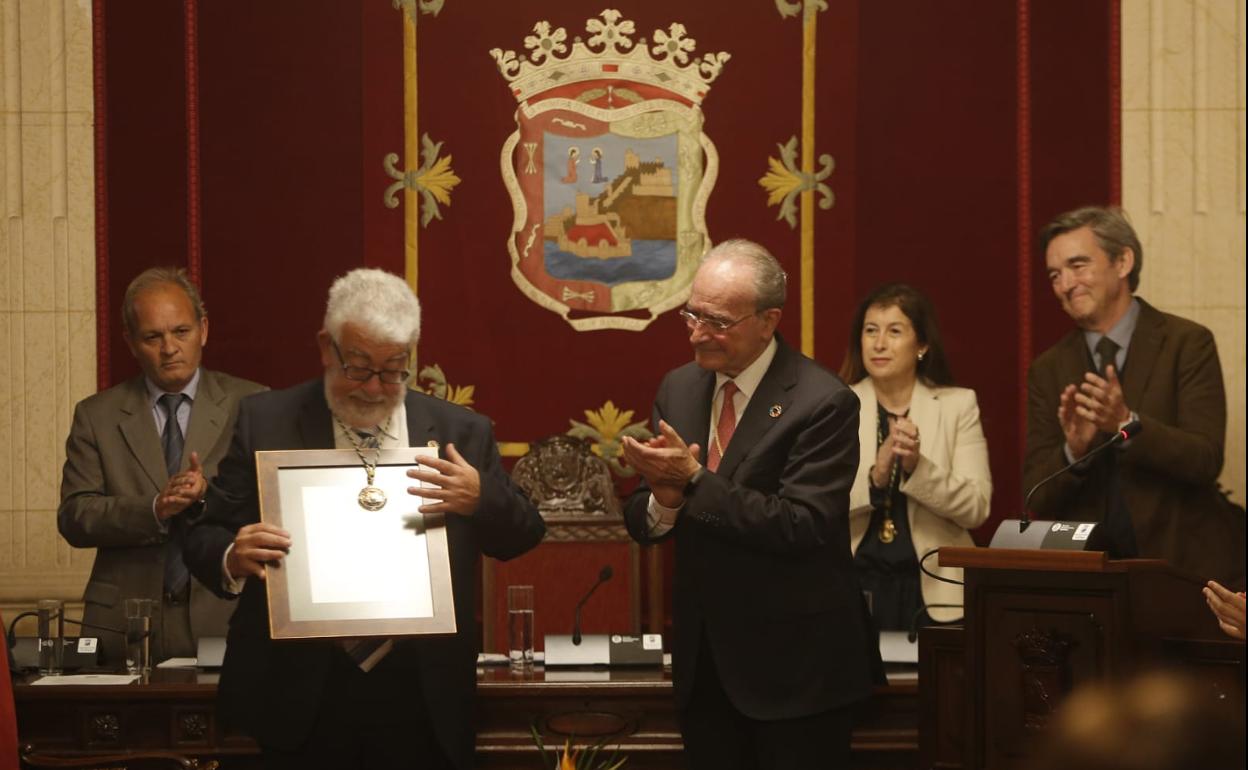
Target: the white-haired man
(309, 704)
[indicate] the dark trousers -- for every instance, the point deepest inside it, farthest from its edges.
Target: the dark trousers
(367, 721)
(719, 737)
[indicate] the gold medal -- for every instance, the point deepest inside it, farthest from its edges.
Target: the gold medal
(888, 530)
(372, 498)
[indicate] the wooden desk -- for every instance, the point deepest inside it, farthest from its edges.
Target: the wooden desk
(176, 711)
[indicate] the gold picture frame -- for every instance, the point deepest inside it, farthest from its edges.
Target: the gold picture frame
(353, 572)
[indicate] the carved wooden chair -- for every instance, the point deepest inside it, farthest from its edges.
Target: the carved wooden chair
(574, 491)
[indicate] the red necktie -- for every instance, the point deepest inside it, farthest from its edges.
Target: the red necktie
(724, 428)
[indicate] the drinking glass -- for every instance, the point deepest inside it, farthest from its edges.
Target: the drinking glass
(520, 626)
(51, 616)
(138, 636)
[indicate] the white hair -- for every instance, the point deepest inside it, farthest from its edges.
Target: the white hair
(381, 304)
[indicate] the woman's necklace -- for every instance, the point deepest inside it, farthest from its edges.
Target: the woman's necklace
(371, 498)
(888, 527)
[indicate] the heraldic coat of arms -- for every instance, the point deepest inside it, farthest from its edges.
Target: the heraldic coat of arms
(608, 170)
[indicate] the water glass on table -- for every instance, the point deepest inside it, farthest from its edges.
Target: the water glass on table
(520, 626)
(138, 636)
(51, 620)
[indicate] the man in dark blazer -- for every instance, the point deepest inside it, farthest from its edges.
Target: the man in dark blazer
(772, 648)
(118, 494)
(1156, 494)
(309, 704)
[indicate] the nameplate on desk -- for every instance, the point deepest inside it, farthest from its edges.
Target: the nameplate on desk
(1048, 535)
(605, 650)
(77, 653)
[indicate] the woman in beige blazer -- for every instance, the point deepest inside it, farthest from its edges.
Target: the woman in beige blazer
(923, 479)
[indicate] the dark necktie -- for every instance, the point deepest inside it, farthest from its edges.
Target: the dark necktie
(1120, 530)
(1107, 350)
(172, 441)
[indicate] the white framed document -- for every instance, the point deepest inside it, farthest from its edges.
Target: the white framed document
(363, 560)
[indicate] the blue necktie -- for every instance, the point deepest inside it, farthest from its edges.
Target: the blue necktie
(172, 441)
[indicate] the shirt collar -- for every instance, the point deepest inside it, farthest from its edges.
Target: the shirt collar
(1121, 332)
(749, 378)
(190, 391)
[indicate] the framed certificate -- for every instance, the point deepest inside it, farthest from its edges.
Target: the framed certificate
(363, 560)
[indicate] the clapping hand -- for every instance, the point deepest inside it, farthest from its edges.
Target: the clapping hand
(666, 462)
(182, 490)
(1099, 401)
(1227, 606)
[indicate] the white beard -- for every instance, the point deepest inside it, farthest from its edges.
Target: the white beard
(357, 411)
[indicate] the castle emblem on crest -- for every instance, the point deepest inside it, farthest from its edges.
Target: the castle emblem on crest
(608, 170)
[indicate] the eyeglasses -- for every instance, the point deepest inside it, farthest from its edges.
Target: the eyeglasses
(364, 374)
(715, 325)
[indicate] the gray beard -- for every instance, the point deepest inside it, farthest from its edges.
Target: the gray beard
(358, 413)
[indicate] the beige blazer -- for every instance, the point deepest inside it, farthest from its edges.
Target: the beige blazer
(114, 468)
(949, 491)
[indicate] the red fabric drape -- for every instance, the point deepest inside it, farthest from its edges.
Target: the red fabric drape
(8, 712)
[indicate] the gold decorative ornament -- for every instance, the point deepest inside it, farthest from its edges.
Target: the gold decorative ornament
(888, 530)
(775, 410)
(371, 498)
(604, 427)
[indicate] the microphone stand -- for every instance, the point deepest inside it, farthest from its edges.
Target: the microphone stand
(603, 576)
(1126, 433)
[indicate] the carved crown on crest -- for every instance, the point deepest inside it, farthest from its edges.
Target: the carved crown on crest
(668, 61)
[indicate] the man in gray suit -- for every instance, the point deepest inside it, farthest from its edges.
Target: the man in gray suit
(134, 471)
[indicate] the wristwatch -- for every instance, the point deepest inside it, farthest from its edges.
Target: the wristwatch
(693, 480)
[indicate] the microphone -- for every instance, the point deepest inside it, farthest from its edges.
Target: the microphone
(1062, 535)
(1125, 433)
(610, 649)
(605, 574)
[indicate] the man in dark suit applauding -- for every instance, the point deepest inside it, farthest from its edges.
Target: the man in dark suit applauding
(1126, 361)
(771, 649)
(315, 703)
(134, 471)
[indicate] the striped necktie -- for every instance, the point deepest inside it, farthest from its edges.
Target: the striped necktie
(724, 428)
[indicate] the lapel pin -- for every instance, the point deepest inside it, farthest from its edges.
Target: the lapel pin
(775, 410)
(433, 442)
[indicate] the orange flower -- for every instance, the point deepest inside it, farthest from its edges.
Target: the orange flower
(569, 760)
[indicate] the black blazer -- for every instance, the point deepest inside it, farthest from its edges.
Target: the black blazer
(272, 690)
(763, 565)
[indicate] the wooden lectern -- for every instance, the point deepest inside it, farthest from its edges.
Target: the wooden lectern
(1039, 623)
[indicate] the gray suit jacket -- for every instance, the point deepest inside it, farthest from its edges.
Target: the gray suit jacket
(114, 468)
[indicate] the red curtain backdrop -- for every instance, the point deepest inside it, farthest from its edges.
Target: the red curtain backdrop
(919, 104)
